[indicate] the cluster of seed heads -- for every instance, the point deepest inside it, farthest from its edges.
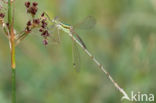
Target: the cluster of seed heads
(31, 8)
(40, 22)
(43, 29)
(35, 22)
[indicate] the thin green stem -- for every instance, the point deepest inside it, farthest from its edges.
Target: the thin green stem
(13, 85)
(9, 12)
(12, 49)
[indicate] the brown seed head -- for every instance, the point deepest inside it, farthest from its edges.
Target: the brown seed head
(33, 10)
(2, 15)
(45, 42)
(27, 4)
(36, 21)
(29, 23)
(35, 3)
(42, 15)
(45, 34)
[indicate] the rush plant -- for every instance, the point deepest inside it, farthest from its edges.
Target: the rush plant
(14, 38)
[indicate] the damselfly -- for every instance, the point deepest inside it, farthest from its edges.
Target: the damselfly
(67, 29)
(87, 23)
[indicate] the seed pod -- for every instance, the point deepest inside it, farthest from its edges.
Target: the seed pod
(29, 23)
(35, 3)
(45, 42)
(41, 30)
(42, 15)
(27, 4)
(33, 10)
(28, 29)
(36, 21)
(2, 15)
(45, 33)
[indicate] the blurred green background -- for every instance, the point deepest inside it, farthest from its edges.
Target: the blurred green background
(123, 40)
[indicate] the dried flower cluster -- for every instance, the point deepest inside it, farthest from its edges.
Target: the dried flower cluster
(43, 29)
(40, 22)
(31, 8)
(34, 23)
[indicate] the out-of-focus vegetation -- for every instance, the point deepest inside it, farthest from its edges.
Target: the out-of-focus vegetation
(124, 40)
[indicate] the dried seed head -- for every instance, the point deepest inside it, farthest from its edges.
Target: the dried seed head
(27, 4)
(44, 24)
(28, 29)
(42, 15)
(45, 34)
(2, 15)
(29, 23)
(33, 10)
(35, 3)
(7, 24)
(44, 21)
(36, 21)
(40, 30)
(45, 42)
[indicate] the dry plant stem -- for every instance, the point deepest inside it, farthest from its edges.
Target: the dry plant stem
(125, 96)
(12, 49)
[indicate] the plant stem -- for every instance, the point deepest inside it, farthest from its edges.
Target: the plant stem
(13, 85)
(12, 48)
(9, 12)
(100, 66)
